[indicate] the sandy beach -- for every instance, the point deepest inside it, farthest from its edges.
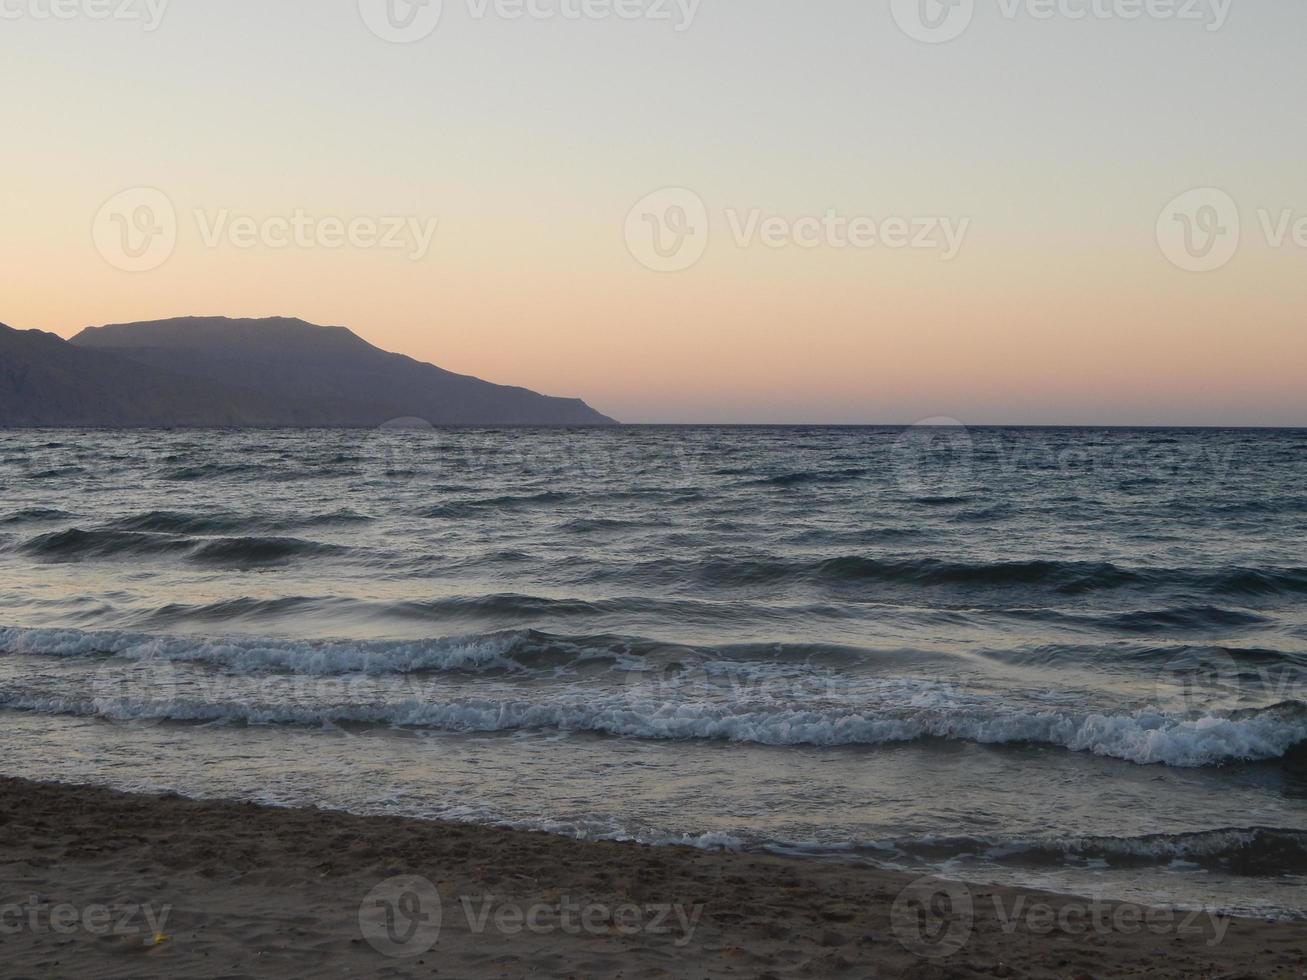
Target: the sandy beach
(95, 883)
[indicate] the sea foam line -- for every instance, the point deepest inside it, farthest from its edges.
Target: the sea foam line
(1142, 737)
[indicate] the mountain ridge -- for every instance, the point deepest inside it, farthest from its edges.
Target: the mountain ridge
(220, 371)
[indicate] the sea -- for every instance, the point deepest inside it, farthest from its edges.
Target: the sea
(1074, 659)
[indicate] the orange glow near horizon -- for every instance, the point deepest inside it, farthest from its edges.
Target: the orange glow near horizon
(1059, 306)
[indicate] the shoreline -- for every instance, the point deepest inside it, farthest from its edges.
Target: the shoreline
(100, 883)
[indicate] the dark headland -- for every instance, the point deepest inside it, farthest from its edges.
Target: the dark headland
(214, 371)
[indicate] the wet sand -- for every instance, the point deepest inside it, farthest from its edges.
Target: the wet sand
(95, 883)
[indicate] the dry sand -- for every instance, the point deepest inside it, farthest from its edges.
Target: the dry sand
(88, 877)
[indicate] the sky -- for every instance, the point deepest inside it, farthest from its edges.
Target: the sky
(852, 211)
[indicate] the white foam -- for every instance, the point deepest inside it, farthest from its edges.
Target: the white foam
(1145, 737)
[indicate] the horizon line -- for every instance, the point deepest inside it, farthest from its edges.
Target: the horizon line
(1130, 427)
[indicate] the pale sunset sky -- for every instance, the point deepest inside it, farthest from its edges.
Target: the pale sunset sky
(1051, 138)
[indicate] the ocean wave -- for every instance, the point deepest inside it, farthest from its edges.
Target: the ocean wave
(1239, 850)
(1061, 575)
(177, 522)
(1207, 741)
(479, 506)
(343, 515)
(1255, 581)
(259, 550)
(247, 608)
(586, 525)
(512, 650)
(592, 828)
(874, 535)
(76, 544)
(1184, 618)
(1250, 507)
(1146, 737)
(985, 514)
(1069, 577)
(258, 655)
(518, 609)
(1243, 850)
(809, 477)
(206, 471)
(1174, 657)
(272, 471)
(189, 522)
(1267, 669)
(497, 608)
(35, 515)
(1065, 578)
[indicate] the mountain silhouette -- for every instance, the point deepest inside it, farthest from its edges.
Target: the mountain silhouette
(202, 371)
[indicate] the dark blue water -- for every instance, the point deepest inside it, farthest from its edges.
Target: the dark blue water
(1067, 657)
